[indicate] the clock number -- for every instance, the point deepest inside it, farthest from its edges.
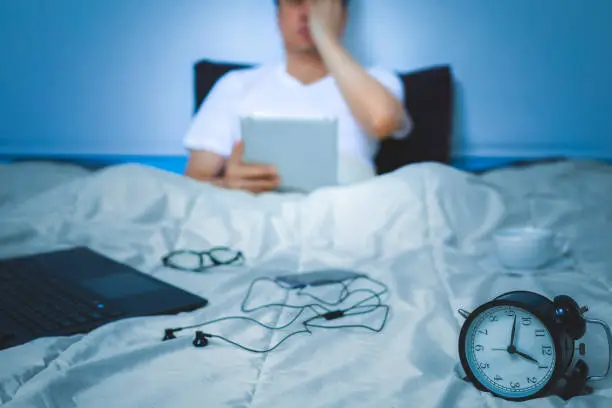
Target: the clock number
(493, 318)
(525, 321)
(546, 350)
(510, 313)
(483, 331)
(540, 333)
(483, 366)
(532, 380)
(515, 385)
(478, 347)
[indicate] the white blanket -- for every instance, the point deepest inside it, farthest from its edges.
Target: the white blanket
(424, 231)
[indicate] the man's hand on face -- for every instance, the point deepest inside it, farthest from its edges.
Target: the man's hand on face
(256, 178)
(325, 18)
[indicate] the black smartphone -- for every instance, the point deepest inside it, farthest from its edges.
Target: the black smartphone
(317, 278)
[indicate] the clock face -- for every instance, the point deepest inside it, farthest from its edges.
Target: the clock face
(510, 367)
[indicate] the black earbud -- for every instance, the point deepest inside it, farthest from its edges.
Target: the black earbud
(169, 335)
(201, 339)
(568, 313)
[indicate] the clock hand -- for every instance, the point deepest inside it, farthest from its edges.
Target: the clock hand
(513, 331)
(513, 350)
(527, 357)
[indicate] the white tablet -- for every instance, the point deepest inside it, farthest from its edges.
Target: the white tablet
(304, 150)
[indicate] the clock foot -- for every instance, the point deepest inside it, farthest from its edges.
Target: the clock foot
(576, 382)
(464, 313)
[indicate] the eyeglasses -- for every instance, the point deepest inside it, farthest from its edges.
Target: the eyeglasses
(194, 261)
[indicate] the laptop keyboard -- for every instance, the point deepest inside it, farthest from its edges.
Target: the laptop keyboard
(45, 305)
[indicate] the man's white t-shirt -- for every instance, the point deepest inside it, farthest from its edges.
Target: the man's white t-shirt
(270, 90)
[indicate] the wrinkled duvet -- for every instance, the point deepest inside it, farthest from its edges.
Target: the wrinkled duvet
(425, 231)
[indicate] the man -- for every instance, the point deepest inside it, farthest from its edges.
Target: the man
(318, 76)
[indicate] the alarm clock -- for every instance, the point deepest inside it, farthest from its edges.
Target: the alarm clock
(521, 345)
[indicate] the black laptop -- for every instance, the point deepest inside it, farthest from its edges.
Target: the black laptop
(68, 292)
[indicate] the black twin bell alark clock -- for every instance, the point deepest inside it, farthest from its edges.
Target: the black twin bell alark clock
(521, 346)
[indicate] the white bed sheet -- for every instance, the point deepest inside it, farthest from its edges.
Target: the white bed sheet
(423, 230)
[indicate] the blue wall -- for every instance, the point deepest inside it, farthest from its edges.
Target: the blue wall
(114, 77)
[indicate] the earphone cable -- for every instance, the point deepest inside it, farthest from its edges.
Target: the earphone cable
(329, 314)
(345, 294)
(244, 308)
(250, 319)
(308, 323)
(243, 347)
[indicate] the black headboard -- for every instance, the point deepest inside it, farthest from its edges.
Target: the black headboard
(429, 99)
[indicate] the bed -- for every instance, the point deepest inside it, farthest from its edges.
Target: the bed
(428, 240)
(423, 229)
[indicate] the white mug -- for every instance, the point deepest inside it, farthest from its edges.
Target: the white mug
(528, 247)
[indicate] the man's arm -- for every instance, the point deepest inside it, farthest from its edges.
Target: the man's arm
(232, 173)
(205, 166)
(378, 111)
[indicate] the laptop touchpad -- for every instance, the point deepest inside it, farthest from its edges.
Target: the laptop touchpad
(121, 285)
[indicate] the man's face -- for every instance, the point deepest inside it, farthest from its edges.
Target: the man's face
(293, 23)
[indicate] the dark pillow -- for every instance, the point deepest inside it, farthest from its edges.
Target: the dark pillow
(429, 96)
(429, 100)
